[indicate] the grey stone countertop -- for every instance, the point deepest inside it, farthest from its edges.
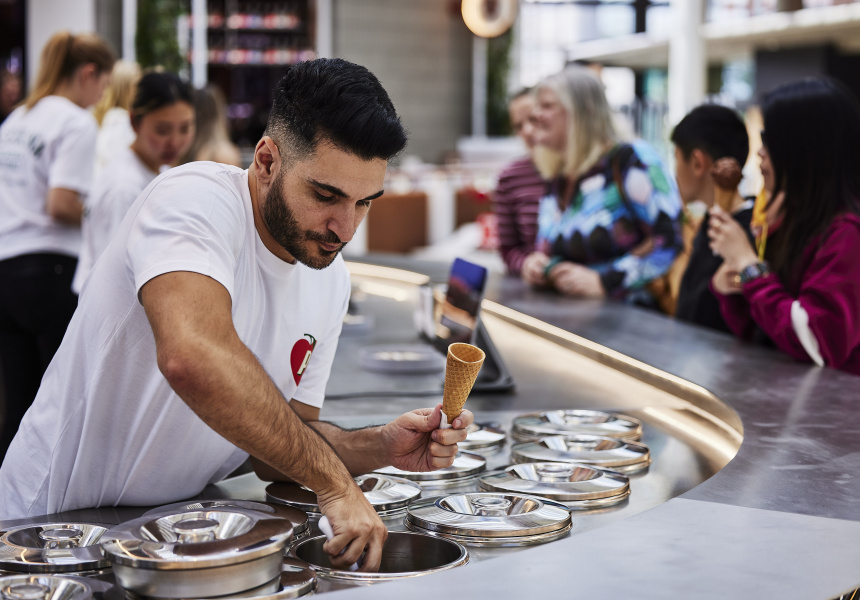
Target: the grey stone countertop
(781, 520)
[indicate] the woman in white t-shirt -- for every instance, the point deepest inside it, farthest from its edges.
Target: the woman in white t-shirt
(162, 117)
(112, 113)
(47, 147)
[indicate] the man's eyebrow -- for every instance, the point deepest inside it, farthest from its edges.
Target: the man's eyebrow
(339, 192)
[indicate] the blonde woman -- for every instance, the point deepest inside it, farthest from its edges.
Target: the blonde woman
(609, 224)
(112, 112)
(47, 147)
(212, 140)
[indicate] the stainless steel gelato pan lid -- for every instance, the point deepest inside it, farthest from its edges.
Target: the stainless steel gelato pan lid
(52, 548)
(196, 539)
(577, 486)
(297, 517)
(490, 518)
(385, 493)
(534, 426)
(603, 452)
(44, 587)
(466, 466)
(483, 438)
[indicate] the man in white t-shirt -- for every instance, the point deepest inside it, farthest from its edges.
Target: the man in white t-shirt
(222, 296)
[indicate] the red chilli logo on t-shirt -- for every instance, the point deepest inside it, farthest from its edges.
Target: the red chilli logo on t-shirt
(301, 355)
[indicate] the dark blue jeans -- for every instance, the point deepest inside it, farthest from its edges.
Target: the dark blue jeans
(36, 305)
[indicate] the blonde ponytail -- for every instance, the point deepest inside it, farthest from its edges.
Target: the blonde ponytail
(120, 93)
(62, 56)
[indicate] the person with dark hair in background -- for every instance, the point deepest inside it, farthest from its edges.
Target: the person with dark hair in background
(703, 137)
(47, 149)
(212, 140)
(804, 295)
(206, 333)
(10, 92)
(162, 118)
(520, 188)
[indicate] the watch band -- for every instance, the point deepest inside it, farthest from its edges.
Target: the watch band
(753, 271)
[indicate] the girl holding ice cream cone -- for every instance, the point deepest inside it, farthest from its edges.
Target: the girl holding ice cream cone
(803, 293)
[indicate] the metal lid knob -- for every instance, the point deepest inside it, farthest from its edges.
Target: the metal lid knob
(61, 537)
(25, 591)
(195, 530)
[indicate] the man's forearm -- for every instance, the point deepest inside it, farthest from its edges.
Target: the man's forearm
(361, 450)
(221, 380)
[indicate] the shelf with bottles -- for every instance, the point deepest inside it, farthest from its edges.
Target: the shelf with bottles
(259, 40)
(276, 16)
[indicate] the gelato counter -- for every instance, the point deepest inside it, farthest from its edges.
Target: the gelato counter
(749, 489)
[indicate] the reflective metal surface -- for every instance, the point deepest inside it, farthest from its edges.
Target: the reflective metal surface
(483, 438)
(44, 587)
(577, 486)
(59, 547)
(386, 493)
(603, 452)
(466, 467)
(198, 553)
(491, 519)
(534, 426)
(296, 579)
(404, 555)
(298, 518)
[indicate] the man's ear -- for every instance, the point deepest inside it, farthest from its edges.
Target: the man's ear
(700, 163)
(267, 160)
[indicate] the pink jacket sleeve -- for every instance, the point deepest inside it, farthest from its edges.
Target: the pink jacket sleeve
(829, 293)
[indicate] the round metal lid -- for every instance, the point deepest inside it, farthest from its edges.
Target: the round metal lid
(44, 587)
(297, 517)
(483, 438)
(196, 539)
(52, 548)
(385, 493)
(401, 358)
(491, 518)
(603, 452)
(465, 466)
(534, 426)
(578, 486)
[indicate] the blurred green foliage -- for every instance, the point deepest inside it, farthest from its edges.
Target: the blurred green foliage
(156, 42)
(498, 70)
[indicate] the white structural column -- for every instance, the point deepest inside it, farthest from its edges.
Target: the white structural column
(129, 29)
(199, 45)
(324, 29)
(46, 17)
(479, 86)
(687, 62)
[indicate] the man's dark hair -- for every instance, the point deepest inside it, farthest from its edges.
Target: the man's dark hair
(335, 100)
(716, 130)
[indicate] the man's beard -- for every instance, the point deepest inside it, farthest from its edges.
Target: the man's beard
(285, 229)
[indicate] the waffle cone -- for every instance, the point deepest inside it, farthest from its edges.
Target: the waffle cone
(462, 367)
(723, 198)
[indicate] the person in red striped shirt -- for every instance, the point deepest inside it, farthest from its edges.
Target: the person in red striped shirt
(520, 188)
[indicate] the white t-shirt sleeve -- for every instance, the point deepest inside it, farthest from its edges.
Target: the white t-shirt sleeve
(72, 167)
(187, 222)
